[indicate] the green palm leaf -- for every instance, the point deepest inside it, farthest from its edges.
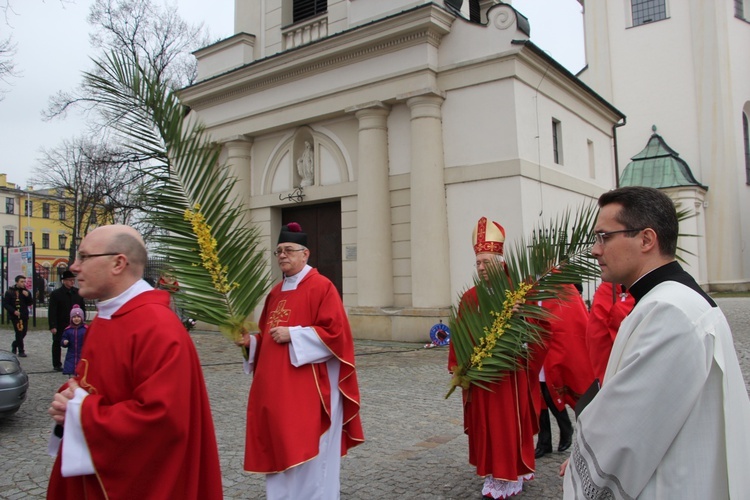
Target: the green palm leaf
(217, 255)
(493, 336)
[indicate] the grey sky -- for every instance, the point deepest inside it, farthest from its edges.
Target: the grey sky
(53, 49)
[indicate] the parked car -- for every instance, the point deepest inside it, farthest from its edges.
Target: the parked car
(14, 383)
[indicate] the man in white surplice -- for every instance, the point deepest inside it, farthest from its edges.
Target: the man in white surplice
(672, 418)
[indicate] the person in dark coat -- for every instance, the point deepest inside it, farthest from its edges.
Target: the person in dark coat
(17, 301)
(61, 301)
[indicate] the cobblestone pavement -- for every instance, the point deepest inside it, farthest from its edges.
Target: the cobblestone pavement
(414, 444)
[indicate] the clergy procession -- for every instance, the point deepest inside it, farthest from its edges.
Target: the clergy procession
(646, 389)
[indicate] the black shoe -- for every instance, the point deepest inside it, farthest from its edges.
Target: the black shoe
(58, 368)
(13, 347)
(541, 451)
(565, 442)
(21, 354)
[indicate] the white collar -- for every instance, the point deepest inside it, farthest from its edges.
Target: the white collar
(107, 308)
(291, 282)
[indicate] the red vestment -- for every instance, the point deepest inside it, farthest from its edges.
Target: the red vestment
(607, 312)
(501, 423)
(567, 369)
(146, 420)
(289, 407)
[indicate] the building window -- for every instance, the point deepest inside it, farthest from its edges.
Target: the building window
(62, 240)
(648, 11)
(45, 210)
(61, 212)
(10, 205)
(28, 238)
(45, 241)
(557, 152)
(93, 218)
(9, 238)
(28, 206)
(305, 9)
(742, 9)
(746, 140)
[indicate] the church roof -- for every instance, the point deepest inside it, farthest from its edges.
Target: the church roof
(658, 166)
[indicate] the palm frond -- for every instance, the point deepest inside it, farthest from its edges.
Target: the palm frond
(213, 251)
(494, 336)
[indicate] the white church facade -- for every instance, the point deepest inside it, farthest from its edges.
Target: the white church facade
(683, 67)
(387, 129)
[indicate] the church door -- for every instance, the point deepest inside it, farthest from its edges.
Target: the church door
(322, 223)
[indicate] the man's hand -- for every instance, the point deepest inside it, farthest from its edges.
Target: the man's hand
(60, 402)
(564, 467)
(280, 334)
(53, 330)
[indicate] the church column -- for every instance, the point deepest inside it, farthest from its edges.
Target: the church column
(374, 245)
(239, 154)
(429, 214)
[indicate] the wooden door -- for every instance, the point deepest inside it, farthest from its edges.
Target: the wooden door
(322, 223)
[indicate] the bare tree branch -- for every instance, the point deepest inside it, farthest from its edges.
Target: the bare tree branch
(154, 35)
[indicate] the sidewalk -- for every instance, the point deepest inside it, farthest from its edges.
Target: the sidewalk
(414, 445)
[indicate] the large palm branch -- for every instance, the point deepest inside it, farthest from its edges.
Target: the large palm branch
(494, 335)
(212, 249)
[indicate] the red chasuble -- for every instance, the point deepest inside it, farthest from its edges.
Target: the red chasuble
(289, 407)
(567, 369)
(607, 312)
(501, 423)
(147, 420)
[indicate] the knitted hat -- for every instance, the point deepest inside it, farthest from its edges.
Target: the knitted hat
(76, 311)
(292, 233)
(488, 237)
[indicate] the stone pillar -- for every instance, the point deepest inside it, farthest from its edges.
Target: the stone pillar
(430, 280)
(374, 245)
(239, 153)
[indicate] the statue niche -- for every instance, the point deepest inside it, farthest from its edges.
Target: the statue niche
(306, 166)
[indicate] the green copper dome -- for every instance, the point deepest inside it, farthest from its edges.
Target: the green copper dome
(658, 166)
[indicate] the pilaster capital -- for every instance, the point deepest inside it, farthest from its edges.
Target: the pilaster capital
(371, 115)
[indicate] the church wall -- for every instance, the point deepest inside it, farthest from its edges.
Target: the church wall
(401, 236)
(348, 241)
(479, 124)
(489, 123)
(687, 75)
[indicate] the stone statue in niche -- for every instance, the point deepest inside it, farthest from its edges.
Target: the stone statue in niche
(305, 166)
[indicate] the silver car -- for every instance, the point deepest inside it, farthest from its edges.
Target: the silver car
(13, 384)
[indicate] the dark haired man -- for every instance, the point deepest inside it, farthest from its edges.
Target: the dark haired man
(670, 420)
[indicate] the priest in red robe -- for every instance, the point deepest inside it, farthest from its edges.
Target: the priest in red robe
(136, 422)
(303, 408)
(610, 306)
(500, 422)
(567, 371)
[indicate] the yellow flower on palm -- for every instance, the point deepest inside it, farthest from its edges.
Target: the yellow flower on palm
(208, 251)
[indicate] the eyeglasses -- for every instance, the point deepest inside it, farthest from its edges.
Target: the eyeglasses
(83, 257)
(287, 251)
(602, 237)
(487, 263)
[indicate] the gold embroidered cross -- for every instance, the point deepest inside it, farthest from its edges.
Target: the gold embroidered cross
(279, 315)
